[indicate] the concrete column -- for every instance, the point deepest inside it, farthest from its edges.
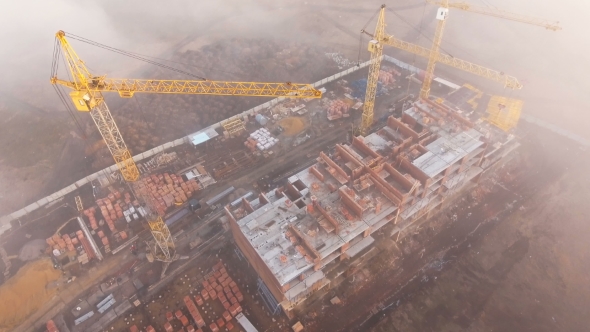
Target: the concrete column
(345, 247)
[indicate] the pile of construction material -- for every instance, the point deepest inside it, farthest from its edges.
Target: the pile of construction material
(221, 286)
(70, 242)
(111, 210)
(51, 326)
(391, 70)
(158, 161)
(337, 109)
(386, 78)
(64, 242)
(194, 312)
(340, 60)
(89, 213)
(168, 189)
(181, 317)
(261, 139)
(359, 88)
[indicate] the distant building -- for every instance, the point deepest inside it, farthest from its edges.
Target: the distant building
(329, 210)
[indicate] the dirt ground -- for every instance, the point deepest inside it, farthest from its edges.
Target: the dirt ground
(23, 294)
(292, 125)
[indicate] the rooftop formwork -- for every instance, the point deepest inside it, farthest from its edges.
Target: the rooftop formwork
(330, 209)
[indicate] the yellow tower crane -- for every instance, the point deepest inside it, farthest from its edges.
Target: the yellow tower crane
(87, 97)
(381, 38)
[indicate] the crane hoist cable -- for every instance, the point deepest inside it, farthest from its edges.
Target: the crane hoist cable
(132, 55)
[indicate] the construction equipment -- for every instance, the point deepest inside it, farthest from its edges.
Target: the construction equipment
(87, 97)
(381, 38)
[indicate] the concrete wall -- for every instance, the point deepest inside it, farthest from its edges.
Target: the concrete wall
(252, 256)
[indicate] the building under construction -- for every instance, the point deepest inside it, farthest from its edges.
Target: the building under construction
(397, 175)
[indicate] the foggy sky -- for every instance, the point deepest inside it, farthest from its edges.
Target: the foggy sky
(551, 65)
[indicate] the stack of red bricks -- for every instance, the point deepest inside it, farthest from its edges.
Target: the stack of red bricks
(168, 189)
(68, 242)
(192, 309)
(227, 290)
(110, 209)
(56, 242)
(89, 213)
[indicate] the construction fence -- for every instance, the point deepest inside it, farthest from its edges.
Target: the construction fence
(5, 221)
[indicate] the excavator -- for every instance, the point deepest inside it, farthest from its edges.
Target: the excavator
(87, 96)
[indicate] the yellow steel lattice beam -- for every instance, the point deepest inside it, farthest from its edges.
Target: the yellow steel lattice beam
(234, 126)
(494, 12)
(111, 135)
(376, 50)
(441, 17)
(128, 87)
(164, 248)
(510, 82)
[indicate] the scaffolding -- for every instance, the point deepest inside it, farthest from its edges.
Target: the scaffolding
(504, 112)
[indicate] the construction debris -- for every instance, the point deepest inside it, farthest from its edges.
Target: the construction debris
(340, 60)
(261, 139)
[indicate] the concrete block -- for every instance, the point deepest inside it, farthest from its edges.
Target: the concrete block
(31, 207)
(18, 214)
(43, 201)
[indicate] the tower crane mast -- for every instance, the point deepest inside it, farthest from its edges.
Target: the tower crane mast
(441, 17)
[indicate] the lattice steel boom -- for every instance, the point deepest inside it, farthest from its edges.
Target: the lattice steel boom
(376, 50)
(494, 12)
(510, 82)
(128, 87)
(441, 17)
